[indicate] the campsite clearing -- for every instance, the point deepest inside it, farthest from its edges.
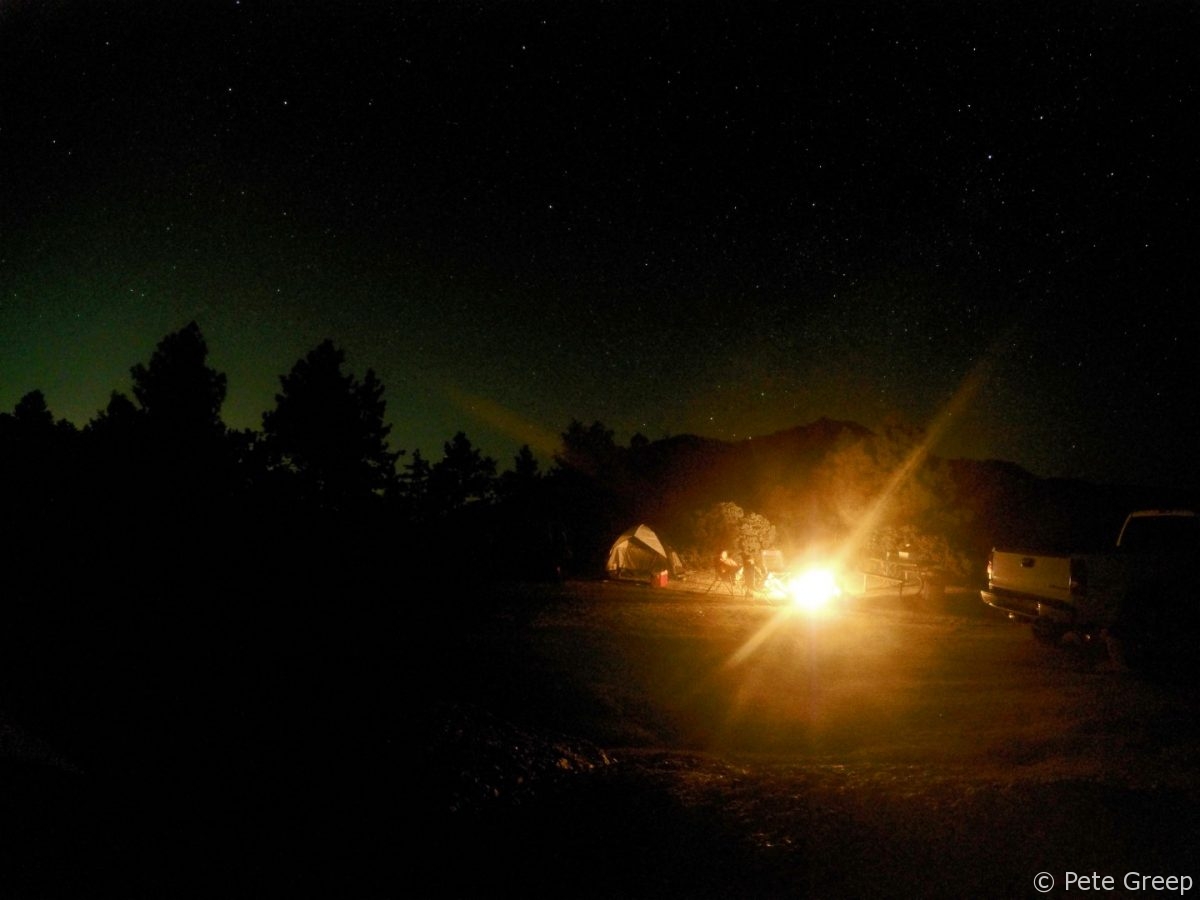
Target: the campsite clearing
(616, 740)
(591, 739)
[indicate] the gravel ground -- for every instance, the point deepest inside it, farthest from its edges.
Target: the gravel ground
(587, 739)
(1048, 763)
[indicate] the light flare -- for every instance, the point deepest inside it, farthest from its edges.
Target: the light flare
(814, 590)
(875, 512)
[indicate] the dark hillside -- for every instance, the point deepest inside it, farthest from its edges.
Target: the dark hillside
(814, 481)
(1010, 507)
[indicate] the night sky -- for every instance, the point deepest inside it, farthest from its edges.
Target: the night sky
(722, 219)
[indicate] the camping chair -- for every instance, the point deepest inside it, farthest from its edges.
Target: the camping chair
(725, 576)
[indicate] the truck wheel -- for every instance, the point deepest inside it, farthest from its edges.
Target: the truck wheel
(1048, 632)
(1122, 655)
(1133, 640)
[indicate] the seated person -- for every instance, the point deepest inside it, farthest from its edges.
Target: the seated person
(726, 566)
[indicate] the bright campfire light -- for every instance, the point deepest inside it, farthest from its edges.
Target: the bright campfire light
(814, 589)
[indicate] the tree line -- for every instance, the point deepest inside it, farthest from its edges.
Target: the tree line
(156, 487)
(156, 494)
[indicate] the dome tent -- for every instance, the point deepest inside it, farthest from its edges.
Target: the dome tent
(640, 554)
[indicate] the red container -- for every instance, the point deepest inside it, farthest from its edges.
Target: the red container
(659, 579)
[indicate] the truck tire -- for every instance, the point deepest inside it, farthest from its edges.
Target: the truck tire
(1131, 639)
(1114, 649)
(1049, 633)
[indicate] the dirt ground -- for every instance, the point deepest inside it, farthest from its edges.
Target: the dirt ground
(615, 740)
(588, 739)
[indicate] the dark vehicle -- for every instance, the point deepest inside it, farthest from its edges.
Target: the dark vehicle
(1140, 598)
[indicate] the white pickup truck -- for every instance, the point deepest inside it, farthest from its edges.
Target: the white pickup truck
(1140, 598)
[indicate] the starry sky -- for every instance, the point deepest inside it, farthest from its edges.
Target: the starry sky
(722, 219)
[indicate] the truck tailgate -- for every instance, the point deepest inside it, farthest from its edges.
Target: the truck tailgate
(1019, 581)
